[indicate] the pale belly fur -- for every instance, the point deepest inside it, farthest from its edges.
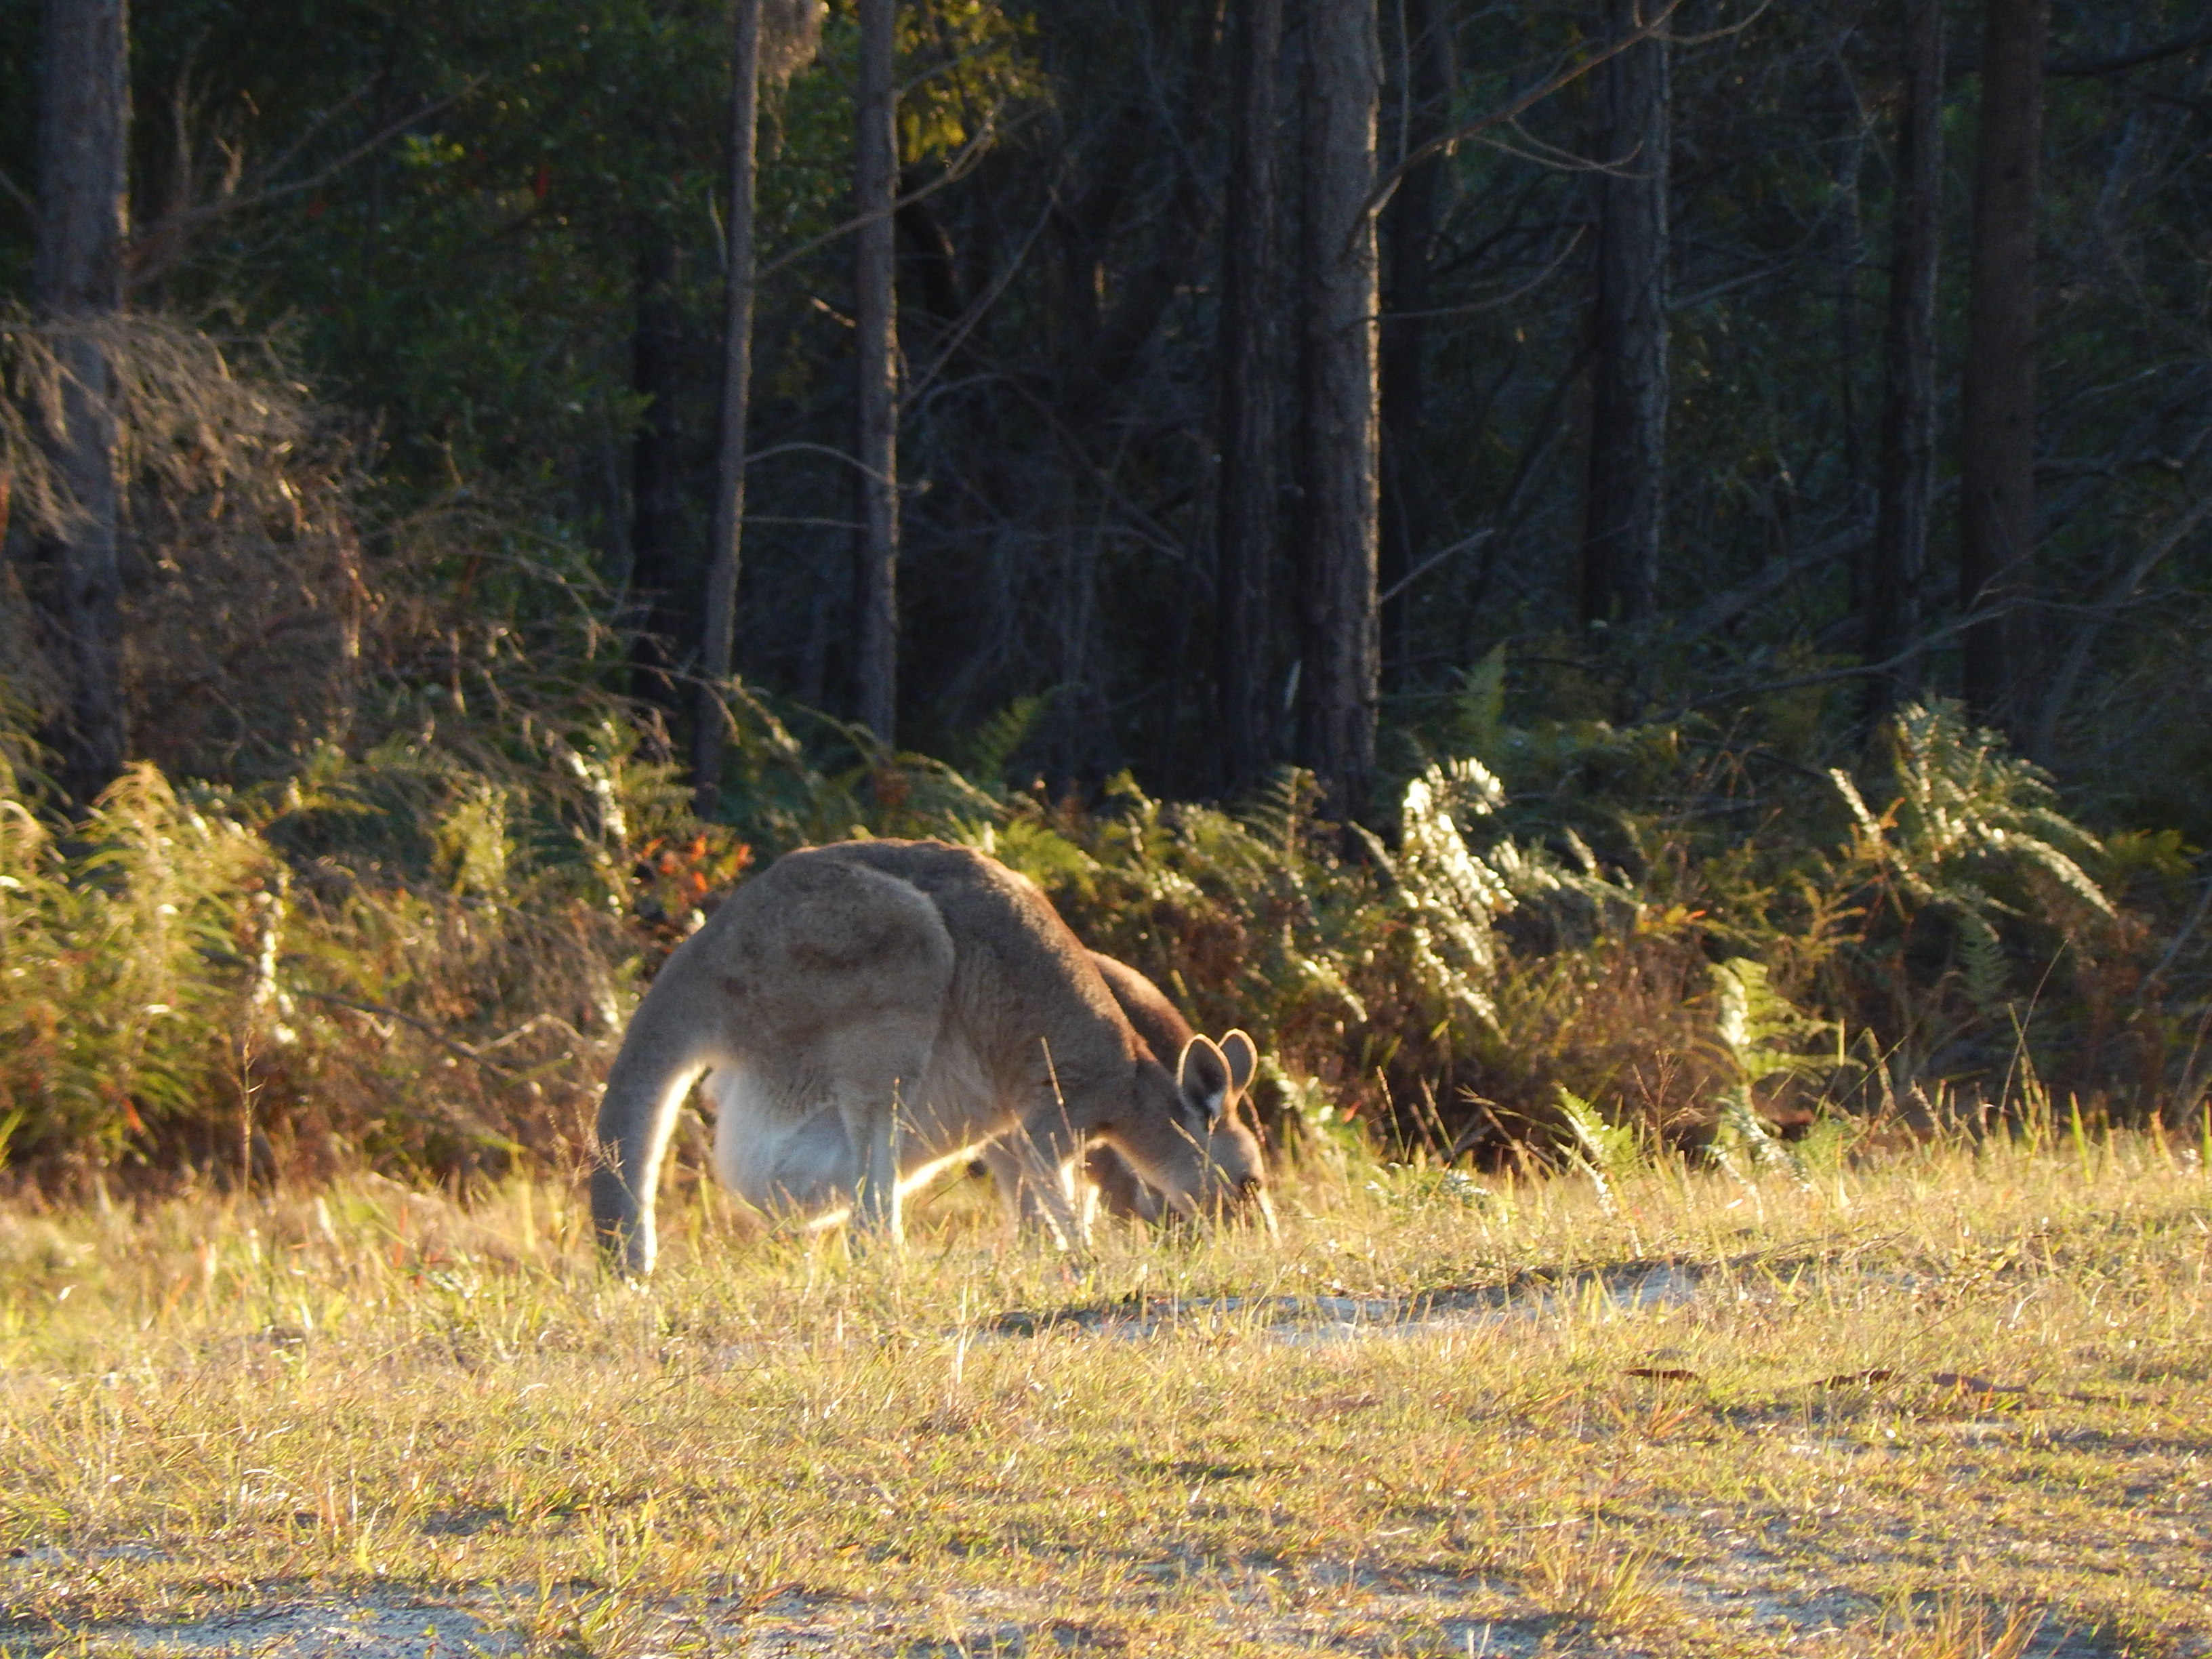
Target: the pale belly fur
(794, 1157)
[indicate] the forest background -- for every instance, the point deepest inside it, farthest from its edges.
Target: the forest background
(1635, 520)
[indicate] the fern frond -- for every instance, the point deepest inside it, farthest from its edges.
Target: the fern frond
(1982, 957)
(1740, 1127)
(1281, 810)
(1326, 977)
(1857, 803)
(1478, 705)
(1763, 1030)
(1042, 853)
(2068, 874)
(1969, 813)
(1605, 1151)
(990, 749)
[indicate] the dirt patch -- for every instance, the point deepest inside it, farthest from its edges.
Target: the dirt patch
(1623, 1287)
(394, 1628)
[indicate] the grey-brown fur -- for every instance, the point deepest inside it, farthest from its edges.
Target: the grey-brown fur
(866, 1012)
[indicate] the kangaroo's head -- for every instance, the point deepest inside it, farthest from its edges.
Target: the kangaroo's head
(1185, 1136)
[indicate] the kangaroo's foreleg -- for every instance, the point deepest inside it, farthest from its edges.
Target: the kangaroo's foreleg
(1024, 1202)
(1044, 1154)
(1006, 1166)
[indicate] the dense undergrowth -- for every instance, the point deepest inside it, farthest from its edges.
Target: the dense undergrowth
(404, 853)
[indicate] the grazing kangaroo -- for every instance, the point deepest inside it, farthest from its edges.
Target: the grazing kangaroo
(1113, 1186)
(865, 1013)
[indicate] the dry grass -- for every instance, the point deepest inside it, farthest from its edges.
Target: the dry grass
(1953, 1403)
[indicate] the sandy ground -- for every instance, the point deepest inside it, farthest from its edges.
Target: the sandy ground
(1441, 1617)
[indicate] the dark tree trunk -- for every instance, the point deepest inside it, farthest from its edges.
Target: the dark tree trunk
(76, 282)
(1850, 255)
(1342, 423)
(707, 733)
(1247, 559)
(661, 576)
(875, 183)
(1625, 495)
(1097, 346)
(1996, 473)
(1898, 560)
(931, 261)
(1422, 74)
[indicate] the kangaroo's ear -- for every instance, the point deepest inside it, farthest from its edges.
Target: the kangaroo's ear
(1243, 1057)
(1202, 1077)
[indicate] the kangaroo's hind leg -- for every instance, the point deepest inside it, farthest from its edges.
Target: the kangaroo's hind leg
(834, 1130)
(878, 1070)
(852, 965)
(877, 1125)
(1006, 1179)
(786, 1155)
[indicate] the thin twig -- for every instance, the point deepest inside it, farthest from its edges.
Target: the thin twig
(1432, 562)
(1859, 670)
(2127, 60)
(978, 311)
(423, 1025)
(2196, 917)
(1521, 291)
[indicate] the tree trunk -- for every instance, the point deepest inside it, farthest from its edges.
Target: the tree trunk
(707, 733)
(875, 183)
(1246, 556)
(1424, 65)
(1996, 473)
(1342, 424)
(1625, 494)
(1850, 255)
(1898, 560)
(76, 282)
(660, 575)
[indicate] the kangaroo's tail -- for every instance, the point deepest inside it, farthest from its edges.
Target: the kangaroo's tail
(668, 1044)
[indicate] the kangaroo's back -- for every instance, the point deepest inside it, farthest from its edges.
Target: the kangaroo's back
(1156, 1020)
(1022, 986)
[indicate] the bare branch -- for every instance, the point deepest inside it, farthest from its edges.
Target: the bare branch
(1515, 107)
(2085, 639)
(172, 227)
(976, 312)
(964, 161)
(428, 1030)
(1432, 562)
(1727, 605)
(2127, 60)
